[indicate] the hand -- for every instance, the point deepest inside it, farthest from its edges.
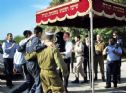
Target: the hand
(49, 44)
(106, 49)
(78, 43)
(14, 71)
(62, 53)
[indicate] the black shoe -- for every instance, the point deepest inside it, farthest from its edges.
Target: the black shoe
(65, 91)
(95, 79)
(108, 86)
(10, 86)
(119, 81)
(85, 81)
(75, 81)
(103, 79)
(115, 85)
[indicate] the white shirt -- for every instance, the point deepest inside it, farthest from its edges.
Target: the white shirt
(19, 58)
(79, 49)
(87, 41)
(8, 50)
(68, 49)
(22, 42)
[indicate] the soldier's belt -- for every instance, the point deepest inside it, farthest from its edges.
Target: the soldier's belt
(49, 69)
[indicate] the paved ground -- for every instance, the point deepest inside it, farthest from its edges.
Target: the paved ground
(80, 88)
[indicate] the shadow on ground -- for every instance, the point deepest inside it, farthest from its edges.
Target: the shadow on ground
(111, 90)
(119, 89)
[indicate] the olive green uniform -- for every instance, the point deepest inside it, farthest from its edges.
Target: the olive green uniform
(99, 58)
(49, 59)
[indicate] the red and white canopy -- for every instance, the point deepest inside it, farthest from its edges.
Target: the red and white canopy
(75, 13)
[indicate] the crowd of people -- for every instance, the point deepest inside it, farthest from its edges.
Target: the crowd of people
(46, 62)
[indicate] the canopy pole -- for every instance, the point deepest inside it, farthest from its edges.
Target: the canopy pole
(90, 75)
(92, 48)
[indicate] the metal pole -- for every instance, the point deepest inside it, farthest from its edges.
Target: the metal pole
(90, 70)
(92, 48)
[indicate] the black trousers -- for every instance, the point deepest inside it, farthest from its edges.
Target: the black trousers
(8, 64)
(86, 64)
(112, 71)
(119, 70)
(67, 61)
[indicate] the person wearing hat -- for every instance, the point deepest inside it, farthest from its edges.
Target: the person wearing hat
(49, 59)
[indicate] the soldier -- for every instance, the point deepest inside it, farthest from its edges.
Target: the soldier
(49, 59)
(99, 58)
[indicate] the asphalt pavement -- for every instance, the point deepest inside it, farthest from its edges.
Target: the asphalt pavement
(99, 85)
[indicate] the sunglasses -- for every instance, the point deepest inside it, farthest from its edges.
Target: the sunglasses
(114, 35)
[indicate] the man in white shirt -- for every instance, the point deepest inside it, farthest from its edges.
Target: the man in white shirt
(67, 56)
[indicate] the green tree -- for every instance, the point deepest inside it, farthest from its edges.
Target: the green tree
(18, 38)
(119, 1)
(56, 2)
(107, 32)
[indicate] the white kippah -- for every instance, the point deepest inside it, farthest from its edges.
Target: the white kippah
(49, 33)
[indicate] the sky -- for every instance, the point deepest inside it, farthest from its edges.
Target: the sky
(19, 15)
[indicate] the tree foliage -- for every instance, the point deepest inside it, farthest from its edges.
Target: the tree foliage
(119, 1)
(56, 2)
(107, 32)
(18, 39)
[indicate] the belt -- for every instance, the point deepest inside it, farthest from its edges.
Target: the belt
(49, 69)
